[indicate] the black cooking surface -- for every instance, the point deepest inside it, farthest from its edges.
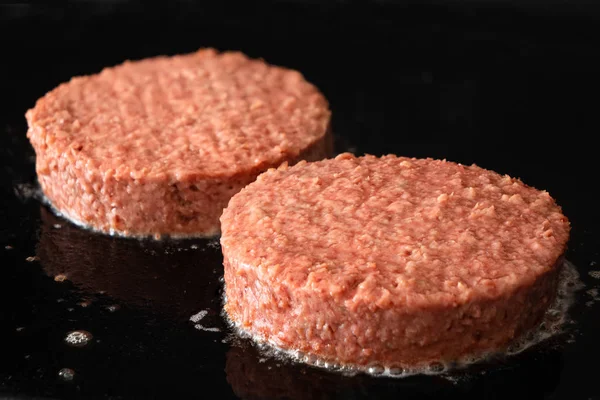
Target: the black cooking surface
(510, 89)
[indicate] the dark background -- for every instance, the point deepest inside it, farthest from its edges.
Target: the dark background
(511, 86)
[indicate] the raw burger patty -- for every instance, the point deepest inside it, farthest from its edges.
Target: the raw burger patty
(391, 260)
(159, 146)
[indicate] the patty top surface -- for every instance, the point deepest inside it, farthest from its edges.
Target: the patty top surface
(205, 113)
(394, 230)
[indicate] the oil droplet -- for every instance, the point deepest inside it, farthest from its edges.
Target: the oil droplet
(594, 274)
(85, 303)
(395, 371)
(436, 367)
(261, 346)
(336, 367)
(57, 226)
(194, 246)
(512, 348)
(319, 363)
(375, 370)
(310, 359)
(553, 315)
(198, 316)
(32, 259)
(78, 338)
(113, 307)
(215, 244)
(66, 374)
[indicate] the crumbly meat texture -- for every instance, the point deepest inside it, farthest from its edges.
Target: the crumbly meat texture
(160, 145)
(390, 260)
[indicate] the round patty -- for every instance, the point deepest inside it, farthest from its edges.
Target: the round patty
(159, 146)
(391, 260)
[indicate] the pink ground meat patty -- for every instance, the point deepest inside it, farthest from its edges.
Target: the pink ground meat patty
(390, 260)
(159, 146)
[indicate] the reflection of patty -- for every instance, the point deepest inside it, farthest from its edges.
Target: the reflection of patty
(159, 146)
(271, 379)
(140, 273)
(254, 377)
(390, 260)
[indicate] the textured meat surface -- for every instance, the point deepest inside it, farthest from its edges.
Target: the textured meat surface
(157, 130)
(390, 259)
